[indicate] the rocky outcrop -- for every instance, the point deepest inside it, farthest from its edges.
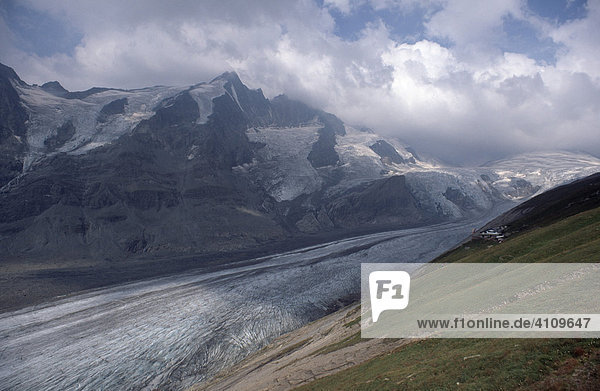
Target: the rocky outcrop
(63, 134)
(113, 108)
(386, 201)
(386, 151)
(13, 131)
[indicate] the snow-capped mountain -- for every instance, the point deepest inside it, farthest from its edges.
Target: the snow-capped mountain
(282, 169)
(217, 167)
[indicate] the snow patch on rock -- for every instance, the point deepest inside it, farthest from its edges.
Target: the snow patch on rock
(281, 166)
(48, 112)
(203, 94)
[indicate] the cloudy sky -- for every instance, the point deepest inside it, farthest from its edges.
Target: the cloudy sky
(464, 80)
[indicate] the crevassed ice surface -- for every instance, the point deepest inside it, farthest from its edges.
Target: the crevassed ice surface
(282, 168)
(170, 332)
(543, 169)
(540, 171)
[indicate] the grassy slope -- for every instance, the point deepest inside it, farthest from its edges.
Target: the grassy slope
(574, 239)
(466, 364)
(494, 363)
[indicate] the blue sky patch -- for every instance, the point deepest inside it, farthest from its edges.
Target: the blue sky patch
(559, 11)
(521, 37)
(39, 33)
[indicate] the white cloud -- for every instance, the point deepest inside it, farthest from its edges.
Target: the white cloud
(468, 101)
(580, 38)
(344, 6)
(473, 26)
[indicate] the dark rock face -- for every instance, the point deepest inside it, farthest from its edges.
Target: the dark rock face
(84, 94)
(13, 133)
(380, 204)
(522, 188)
(180, 110)
(459, 198)
(386, 201)
(386, 151)
(255, 107)
(414, 153)
(323, 152)
(292, 113)
(55, 88)
(113, 108)
(63, 134)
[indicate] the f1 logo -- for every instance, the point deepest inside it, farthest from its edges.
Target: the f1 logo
(388, 291)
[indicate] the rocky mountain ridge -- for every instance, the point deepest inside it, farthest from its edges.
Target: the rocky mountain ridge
(217, 167)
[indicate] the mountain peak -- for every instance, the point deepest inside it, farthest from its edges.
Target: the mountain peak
(9, 73)
(228, 76)
(55, 88)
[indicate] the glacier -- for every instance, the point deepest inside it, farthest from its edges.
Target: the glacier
(172, 332)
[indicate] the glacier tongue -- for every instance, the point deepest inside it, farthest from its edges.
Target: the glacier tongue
(171, 332)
